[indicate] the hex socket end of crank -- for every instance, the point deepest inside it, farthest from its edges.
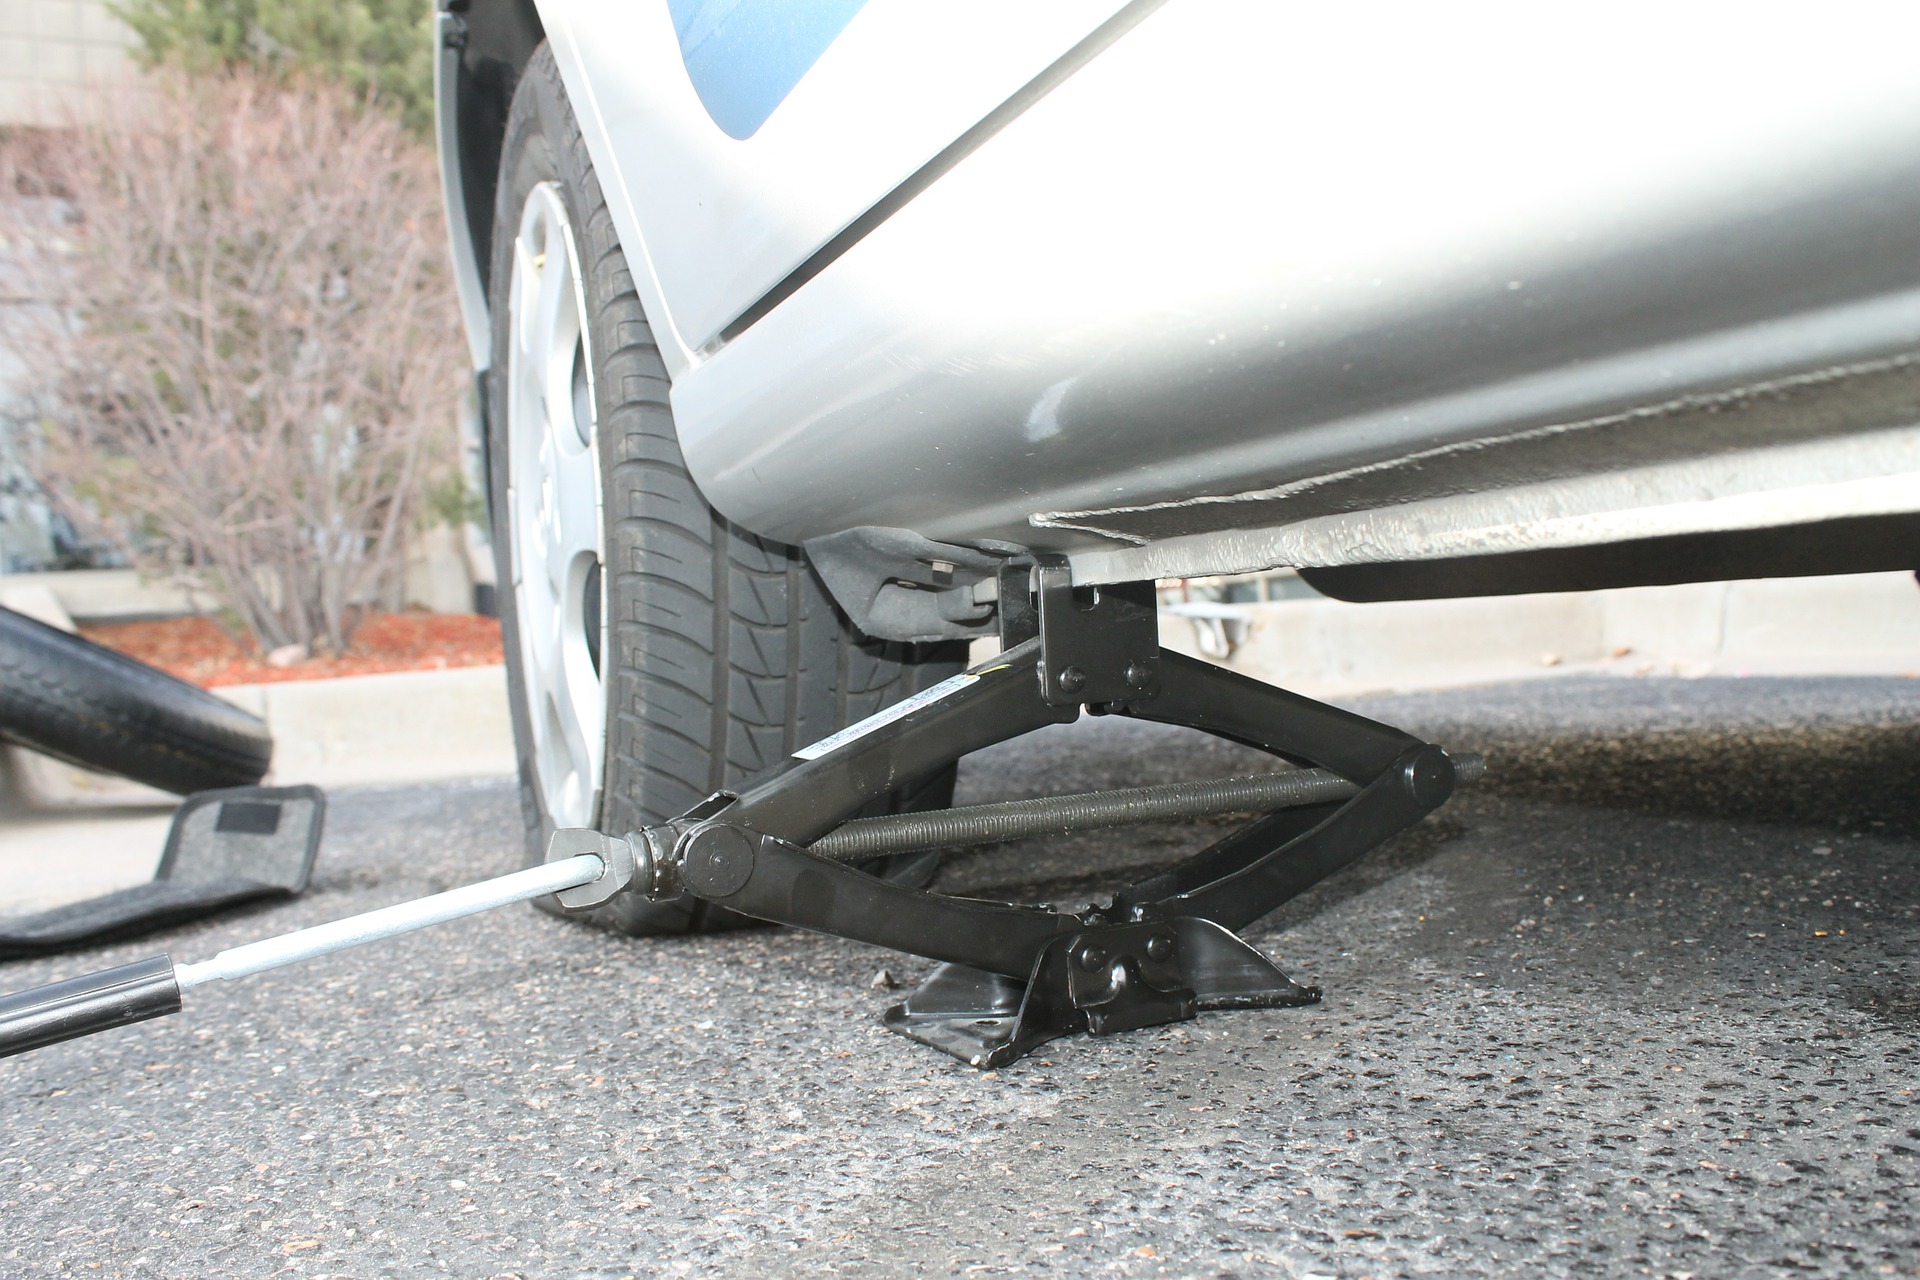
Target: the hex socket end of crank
(616, 862)
(641, 861)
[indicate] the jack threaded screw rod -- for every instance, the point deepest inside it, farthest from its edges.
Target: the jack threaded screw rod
(866, 838)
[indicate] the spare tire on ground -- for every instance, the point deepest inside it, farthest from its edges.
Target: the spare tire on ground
(73, 699)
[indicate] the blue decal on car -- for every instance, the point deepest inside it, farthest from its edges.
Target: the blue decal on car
(745, 56)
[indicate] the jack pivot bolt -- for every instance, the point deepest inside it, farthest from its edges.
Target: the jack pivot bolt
(1073, 680)
(1091, 957)
(1159, 947)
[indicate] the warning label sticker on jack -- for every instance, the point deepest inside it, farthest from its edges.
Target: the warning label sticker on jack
(881, 719)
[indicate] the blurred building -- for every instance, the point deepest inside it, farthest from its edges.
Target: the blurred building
(50, 50)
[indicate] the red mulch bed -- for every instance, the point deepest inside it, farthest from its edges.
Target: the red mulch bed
(198, 651)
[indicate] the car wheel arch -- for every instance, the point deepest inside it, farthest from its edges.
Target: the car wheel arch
(483, 46)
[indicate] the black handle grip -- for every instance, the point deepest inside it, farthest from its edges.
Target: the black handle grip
(86, 1004)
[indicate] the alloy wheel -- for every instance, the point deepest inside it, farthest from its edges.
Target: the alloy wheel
(554, 512)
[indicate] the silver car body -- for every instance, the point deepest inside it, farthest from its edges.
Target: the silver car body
(1236, 285)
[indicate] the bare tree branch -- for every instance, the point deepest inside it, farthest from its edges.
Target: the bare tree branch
(251, 335)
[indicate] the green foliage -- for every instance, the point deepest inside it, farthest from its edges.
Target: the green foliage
(453, 502)
(379, 47)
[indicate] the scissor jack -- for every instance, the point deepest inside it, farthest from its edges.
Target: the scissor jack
(785, 846)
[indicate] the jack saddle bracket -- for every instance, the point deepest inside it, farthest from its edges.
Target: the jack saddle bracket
(783, 845)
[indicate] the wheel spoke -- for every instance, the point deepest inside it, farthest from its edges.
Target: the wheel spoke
(573, 738)
(526, 284)
(553, 320)
(576, 498)
(541, 629)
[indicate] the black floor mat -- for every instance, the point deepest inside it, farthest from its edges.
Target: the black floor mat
(225, 847)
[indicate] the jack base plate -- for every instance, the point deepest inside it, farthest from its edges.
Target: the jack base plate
(1103, 979)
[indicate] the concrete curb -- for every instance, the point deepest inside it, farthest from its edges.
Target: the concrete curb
(398, 727)
(1862, 624)
(93, 594)
(401, 727)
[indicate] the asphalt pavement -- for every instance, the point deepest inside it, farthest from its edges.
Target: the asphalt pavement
(1643, 1003)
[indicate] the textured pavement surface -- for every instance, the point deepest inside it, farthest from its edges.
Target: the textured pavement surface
(1643, 1003)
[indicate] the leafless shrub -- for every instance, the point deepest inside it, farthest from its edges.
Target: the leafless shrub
(249, 335)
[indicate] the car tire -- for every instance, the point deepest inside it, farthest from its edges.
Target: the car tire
(64, 696)
(713, 654)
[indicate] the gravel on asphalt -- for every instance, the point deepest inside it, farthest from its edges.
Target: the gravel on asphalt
(1641, 1004)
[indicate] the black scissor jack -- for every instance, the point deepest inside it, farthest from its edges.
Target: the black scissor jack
(1157, 951)
(786, 847)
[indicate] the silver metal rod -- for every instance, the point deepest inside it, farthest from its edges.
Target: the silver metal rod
(389, 922)
(865, 838)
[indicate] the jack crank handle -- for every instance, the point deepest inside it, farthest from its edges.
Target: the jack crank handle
(152, 988)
